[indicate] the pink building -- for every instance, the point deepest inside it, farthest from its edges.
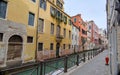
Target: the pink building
(94, 33)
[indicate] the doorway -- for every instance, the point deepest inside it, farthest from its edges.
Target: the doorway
(57, 49)
(15, 47)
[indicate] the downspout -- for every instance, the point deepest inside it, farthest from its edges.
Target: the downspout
(37, 31)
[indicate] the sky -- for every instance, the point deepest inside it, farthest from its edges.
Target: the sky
(89, 10)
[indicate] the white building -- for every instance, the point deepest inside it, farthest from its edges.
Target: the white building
(103, 37)
(113, 26)
(75, 38)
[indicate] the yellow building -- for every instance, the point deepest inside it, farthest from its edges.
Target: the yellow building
(22, 20)
(18, 23)
(55, 25)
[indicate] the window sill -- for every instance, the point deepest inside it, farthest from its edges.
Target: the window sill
(30, 43)
(3, 19)
(52, 34)
(31, 26)
(40, 32)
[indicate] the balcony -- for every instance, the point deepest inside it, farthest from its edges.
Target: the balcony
(59, 38)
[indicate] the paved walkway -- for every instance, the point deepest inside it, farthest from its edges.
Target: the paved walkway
(95, 66)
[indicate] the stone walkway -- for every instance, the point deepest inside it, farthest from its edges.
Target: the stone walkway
(95, 66)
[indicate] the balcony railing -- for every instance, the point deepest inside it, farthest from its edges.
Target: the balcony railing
(59, 37)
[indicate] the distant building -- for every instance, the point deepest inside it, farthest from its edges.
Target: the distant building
(93, 31)
(103, 37)
(89, 34)
(75, 38)
(78, 21)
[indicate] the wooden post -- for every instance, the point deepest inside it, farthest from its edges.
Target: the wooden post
(77, 63)
(41, 68)
(65, 64)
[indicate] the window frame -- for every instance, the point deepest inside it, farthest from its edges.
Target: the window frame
(1, 37)
(64, 46)
(64, 32)
(69, 46)
(52, 31)
(51, 46)
(42, 46)
(29, 19)
(44, 7)
(69, 34)
(58, 30)
(75, 20)
(6, 10)
(42, 26)
(30, 37)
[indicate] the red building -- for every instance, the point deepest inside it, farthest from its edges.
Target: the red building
(78, 21)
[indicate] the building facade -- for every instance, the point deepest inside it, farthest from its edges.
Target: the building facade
(94, 34)
(89, 34)
(113, 28)
(75, 38)
(18, 31)
(32, 29)
(78, 21)
(103, 37)
(55, 36)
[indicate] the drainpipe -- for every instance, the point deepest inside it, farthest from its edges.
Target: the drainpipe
(37, 32)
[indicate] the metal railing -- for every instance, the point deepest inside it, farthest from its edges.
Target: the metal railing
(50, 66)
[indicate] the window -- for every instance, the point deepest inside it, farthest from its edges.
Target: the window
(52, 11)
(76, 37)
(51, 46)
(72, 36)
(58, 14)
(31, 19)
(79, 29)
(69, 46)
(74, 19)
(3, 7)
(1, 37)
(69, 34)
(63, 46)
(69, 21)
(58, 30)
(43, 4)
(65, 20)
(40, 25)
(89, 27)
(84, 32)
(40, 46)
(59, 4)
(34, 0)
(52, 28)
(64, 32)
(29, 39)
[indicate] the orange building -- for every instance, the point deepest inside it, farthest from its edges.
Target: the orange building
(78, 21)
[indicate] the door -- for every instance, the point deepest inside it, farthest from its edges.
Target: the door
(57, 49)
(14, 48)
